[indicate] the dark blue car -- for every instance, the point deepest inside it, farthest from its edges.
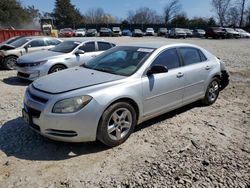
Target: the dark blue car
(126, 32)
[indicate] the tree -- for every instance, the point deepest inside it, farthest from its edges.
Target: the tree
(13, 14)
(221, 7)
(66, 15)
(171, 10)
(211, 22)
(242, 9)
(233, 17)
(198, 22)
(98, 16)
(144, 15)
(181, 20)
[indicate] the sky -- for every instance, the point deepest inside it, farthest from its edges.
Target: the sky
(120, 8)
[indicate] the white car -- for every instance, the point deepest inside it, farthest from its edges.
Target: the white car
(68, 54)
(150, 32)
(80, 32)
(243, 33)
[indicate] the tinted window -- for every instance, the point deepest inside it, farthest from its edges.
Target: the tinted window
(103, 46)
(53, 42)
(190, 56)
(168, 58)
(37, 43)
(65, 47)
(88, 47)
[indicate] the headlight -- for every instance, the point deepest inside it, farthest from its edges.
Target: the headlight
(71, 105)
(36, 63)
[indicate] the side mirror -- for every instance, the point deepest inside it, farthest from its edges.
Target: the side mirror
(156, 69)
(79, 52)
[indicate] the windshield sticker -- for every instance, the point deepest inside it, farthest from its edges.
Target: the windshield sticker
(145, 50)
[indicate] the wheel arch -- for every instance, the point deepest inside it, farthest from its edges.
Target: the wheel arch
(62, 64)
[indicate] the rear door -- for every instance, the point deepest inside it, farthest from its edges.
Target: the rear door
(196, 68)
(163, 92)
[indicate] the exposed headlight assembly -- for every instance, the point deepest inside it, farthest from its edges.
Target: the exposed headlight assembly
(71, 105)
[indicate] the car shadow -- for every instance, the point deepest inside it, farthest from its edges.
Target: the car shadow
(17, 139)
(16, 81)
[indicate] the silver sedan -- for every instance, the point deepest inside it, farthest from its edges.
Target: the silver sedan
(65, 55)
(105, 98)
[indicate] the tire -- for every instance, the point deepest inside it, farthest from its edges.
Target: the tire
(9, 62)
(212, 92)
(56, 68)
(120, 119)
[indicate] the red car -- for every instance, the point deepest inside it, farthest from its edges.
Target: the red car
(66, 32)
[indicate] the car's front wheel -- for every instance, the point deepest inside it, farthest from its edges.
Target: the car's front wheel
(212, 92)
(56, 68)
(9, 62)
(116, 124)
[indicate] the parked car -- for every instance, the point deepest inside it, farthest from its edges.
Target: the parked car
(215, 33)
(10, 40)
(137, 33)
(231, 33)
(200, 33)
(10, 52)
(189, 32)
(126, 32)
(162, 32)
(105, 32)
(177, 33)
(80, 32)
(107, 96)
(150, 32)
(91, 33)
(243, 33)
(116, 32)
(66, 32)
(67, 54)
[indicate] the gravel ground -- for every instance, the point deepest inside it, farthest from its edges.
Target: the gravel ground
(194, 146)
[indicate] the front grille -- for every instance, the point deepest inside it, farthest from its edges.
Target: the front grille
(37, 98)
(62, 133)
(33, 112)
(25, 75)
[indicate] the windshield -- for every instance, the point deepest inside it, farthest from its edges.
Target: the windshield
(121, 60)
(65, 47)
(20, 42)
(229, 29)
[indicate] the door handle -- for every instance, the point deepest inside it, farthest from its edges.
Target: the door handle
(179, 75)
(208, 67)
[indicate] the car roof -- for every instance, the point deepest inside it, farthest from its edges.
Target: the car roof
(39, 37)
(161, 44)
(85, 40)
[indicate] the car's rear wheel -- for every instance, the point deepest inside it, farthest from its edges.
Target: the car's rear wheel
(9, 62)
(116, 124)
(56, 68)
(212, 92)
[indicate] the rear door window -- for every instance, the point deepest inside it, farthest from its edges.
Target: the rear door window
(190, 55)
(103, 46)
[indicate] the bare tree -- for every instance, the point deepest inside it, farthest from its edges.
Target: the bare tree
(98, 16)
(171, 10)
(233, 16)
(242, 9)
(144, 15)
(221, 7)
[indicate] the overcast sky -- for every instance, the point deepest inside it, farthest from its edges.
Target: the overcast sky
(120, 8)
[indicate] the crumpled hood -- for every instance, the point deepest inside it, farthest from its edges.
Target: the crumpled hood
(72, 79)
(38, 56)
(6, 47)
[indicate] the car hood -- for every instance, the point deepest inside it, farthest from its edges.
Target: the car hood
(72, 79)
(38, 56)
(6, 47)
